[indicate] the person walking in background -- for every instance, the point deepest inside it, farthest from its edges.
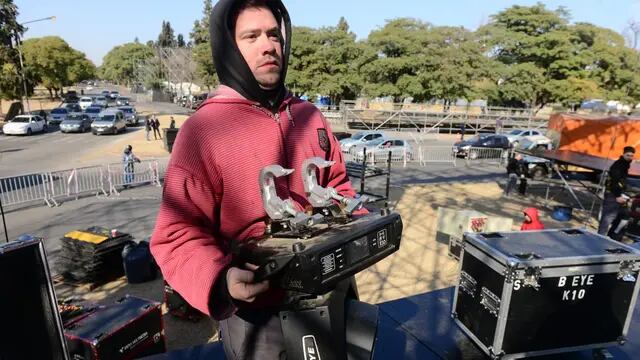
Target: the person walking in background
(613, 198)
(155, 124)
(514, 169)
(147, 127)
(172, 124)
(531, 220)
(128, 160)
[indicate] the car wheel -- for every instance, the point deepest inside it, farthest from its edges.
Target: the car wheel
(538, 172)
(473, 155)
(29, 132)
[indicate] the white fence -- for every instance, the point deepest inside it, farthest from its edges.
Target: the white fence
(51, 187)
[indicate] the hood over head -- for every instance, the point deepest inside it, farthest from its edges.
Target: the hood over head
(231, 67)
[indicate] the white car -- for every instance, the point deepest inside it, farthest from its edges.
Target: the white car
(516, 137)
(380, 148)
(24, 125)
(359, 139)
(85, 102)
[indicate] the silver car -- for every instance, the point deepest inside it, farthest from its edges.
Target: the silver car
(101, 101)
(359, 139)
(109, 122)
(380, 148)
(130, 115)
(58, 115)
(93, 111)
(122, 101)
(76, 123)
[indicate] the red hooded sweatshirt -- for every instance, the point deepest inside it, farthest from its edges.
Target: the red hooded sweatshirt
(535, 223)
(211, 191)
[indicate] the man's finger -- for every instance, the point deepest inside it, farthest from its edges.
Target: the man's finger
(249, 291)
(251, 267)
(240, 276)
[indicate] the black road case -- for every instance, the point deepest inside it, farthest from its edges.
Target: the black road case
(30, 325)
(543, 292)
(129, 329)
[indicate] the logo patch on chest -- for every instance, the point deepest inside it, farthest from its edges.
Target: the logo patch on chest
(323, 139)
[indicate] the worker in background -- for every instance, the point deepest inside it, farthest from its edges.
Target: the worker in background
(531, 220)
(613, 197)
(515, 169)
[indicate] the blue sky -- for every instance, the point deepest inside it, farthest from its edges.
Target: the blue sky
(95, 27)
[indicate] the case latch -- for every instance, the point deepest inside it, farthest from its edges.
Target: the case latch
(490, 301)
(468, 283)
(628, 270)
(531, 277)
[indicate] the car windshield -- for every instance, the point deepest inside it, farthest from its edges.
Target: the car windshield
(59, 111)
(85, 99)
(479, 138)
(515, 132)
(127, 110)
(93, 110)
(358, 136)
(75, 117)
(100, 98)
(20, 119)
(106, 118)
(123, 99)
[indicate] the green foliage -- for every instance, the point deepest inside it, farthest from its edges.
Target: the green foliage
(120, 64)
(54, 64)
(200, 32)
(10, 79)
(166, 37)
(205, 69)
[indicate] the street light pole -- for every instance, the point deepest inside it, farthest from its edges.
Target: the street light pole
(18, 47)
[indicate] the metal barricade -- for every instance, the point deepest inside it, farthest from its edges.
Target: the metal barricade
(478, 155)
(90, 179)
(143, 172)
(436, 154)
(23, 189)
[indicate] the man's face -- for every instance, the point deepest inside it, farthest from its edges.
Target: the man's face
(259, 40)
(628, 156)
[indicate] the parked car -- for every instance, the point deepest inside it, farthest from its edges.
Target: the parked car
(101, 101)
(105, 93)
(72, 107)
(359, 138)
(465, 148)
(114, 95)
(380, 149)
(537, 168)
(24, 125)
(518, 135)
(197, 100)
(76, 123)
(130, 115)
(71, 97)
(93, 111)
(85, 102)
(109, 122)
(123, 101)
(58, 115)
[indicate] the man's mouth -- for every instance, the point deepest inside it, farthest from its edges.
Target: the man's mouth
(270, 64)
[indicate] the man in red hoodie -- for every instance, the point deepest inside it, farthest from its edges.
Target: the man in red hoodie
(531, 220)
(211, 192)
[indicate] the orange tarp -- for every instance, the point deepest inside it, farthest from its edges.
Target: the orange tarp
(602, 136)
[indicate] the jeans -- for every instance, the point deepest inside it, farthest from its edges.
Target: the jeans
(511, 183)
(148, 132)
(610, 209)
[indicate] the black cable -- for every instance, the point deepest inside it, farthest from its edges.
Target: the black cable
(6, 235)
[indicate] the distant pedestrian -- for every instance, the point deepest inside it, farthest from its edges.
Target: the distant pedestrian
(172, 124)
(462, 127)
(147, 127)
(155, 124)
(128, 160)
(531, 220)
(616, 185)
(514, 171)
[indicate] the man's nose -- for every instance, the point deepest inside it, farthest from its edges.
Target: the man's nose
(267, 45)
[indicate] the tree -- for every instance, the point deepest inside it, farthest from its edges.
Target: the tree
(10, 29)
(121, 62)
(55, 64)
(166, 37)
(200, 32)
(180, 41)
(205, 68)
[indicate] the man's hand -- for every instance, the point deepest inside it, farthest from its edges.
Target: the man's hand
(241, 286)
(621, 200)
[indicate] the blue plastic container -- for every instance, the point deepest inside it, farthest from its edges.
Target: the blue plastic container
(562, 213)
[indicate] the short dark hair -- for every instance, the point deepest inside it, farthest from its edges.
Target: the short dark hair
(629, 149)
(249, 4)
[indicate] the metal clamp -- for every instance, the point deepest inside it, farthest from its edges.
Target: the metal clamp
(490, 301)
(468, 284)
(628, 270)
(320, 196)
(277, 208)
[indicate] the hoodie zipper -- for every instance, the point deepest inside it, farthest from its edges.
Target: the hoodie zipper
(276, 118)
